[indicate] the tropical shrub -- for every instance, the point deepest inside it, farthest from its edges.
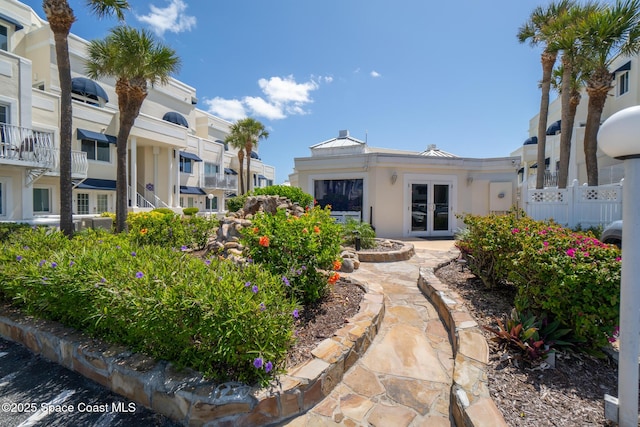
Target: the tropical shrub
(190, 211)
(170, 230)
(294, 194)
(7, 229)
(571, 276)
(296, 249)
(234, 204)
(228, 322)
(351, 228)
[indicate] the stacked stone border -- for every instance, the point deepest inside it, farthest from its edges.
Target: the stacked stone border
(471, 404)
(184, 395)
(402, 254)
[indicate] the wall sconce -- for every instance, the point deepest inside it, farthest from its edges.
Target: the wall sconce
(394, 178)
(501, 195)
(469, 180)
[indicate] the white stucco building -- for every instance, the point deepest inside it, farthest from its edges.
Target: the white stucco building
(176, 154)
(404, 193)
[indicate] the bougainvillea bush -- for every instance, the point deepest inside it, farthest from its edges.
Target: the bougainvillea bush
(297, 249)
(228, 322)
(569, 275)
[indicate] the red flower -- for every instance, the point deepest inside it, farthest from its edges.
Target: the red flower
(316, 229)
(334, 278)
(337, 264)
(264, 241)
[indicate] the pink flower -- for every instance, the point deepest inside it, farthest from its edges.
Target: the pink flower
(515, 230)
(571, 252)
(545, 244)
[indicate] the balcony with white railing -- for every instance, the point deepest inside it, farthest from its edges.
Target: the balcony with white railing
(36, 151)
(221, 181)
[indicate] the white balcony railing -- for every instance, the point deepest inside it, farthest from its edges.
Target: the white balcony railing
(223, 181)
(36, 149)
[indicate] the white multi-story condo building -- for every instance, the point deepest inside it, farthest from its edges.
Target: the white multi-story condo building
(176, 154)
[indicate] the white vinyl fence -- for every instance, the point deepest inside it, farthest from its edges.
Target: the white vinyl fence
(576, 205)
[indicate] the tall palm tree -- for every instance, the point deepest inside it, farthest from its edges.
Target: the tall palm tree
(235, 140)
(567, 39)
(244, 135)
(615, 29)
(61, 18)
(135, 59)
(537, 31)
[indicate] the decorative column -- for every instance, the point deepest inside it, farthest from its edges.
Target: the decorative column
(133, 179)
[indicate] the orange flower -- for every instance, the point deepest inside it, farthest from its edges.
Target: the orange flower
(316, 229)
(337, 264)
(144, 231)
(334, 278)
(264, 241)
(304, 230)
(255, 229)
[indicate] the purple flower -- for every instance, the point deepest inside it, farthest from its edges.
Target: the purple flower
(25, 247)
(262, 307)
(254, 289)
(257, 362)
(184, 248)
(268, 367)
(19, 258)
(285, 280)
(118, 247)
(133, 254)
(304, 268)
(43, 262)
(103, 280)
(54, 264)
(207, 261)
(139, 275)
(247, 284)
(71, 263)
(296, 313)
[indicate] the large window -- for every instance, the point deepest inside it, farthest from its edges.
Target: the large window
(41, 201)
(623, 83)
(211, 169)
(83, 204)
(102, 202)
(186, 165)
(4, 41)
(341, 194)
(96, 150)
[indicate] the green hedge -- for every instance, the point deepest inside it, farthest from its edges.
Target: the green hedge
(571, 276)
(295, 194)
(228, 322)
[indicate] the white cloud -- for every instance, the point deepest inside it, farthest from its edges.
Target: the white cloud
(228, 109)
(375, 74)
(171, 18)
(282, 97)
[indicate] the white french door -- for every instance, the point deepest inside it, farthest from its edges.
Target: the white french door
(429, 210)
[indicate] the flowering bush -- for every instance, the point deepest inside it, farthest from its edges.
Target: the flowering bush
(169, 229)
(296, 249)
(209, 315)
(571, 276)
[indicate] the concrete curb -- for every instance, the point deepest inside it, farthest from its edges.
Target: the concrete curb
(471, 404)
(402, 254)
(184, 395)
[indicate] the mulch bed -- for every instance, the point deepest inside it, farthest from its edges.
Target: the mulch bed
(572, 394)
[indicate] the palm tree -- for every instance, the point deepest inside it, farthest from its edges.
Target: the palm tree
(615, 29)
(244, 134)
(537, 31)
(135, 59)
(567, 39)
(235, 140)
(61, 18)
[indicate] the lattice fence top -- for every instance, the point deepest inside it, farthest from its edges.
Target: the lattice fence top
(546, 196)
(604, 194)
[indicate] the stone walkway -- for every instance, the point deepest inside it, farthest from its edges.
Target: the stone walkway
(405, 377)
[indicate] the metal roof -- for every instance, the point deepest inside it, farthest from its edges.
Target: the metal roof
(433, 151)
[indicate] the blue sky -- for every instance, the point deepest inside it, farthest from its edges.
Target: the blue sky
(401, 74)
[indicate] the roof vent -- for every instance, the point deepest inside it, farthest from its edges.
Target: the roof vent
(431, 147)
(343, 133)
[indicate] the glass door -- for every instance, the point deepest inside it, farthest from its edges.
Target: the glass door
(429, 212)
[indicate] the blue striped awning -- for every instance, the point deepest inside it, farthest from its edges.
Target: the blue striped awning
(96, 136)
(262, 177)
(98, 184)
(18, 26)
(184, 189)
(531, 141)
(230, 171)
(190, 156)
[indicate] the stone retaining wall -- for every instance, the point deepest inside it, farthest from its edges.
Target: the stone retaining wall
(184, 395)
(471, 403)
